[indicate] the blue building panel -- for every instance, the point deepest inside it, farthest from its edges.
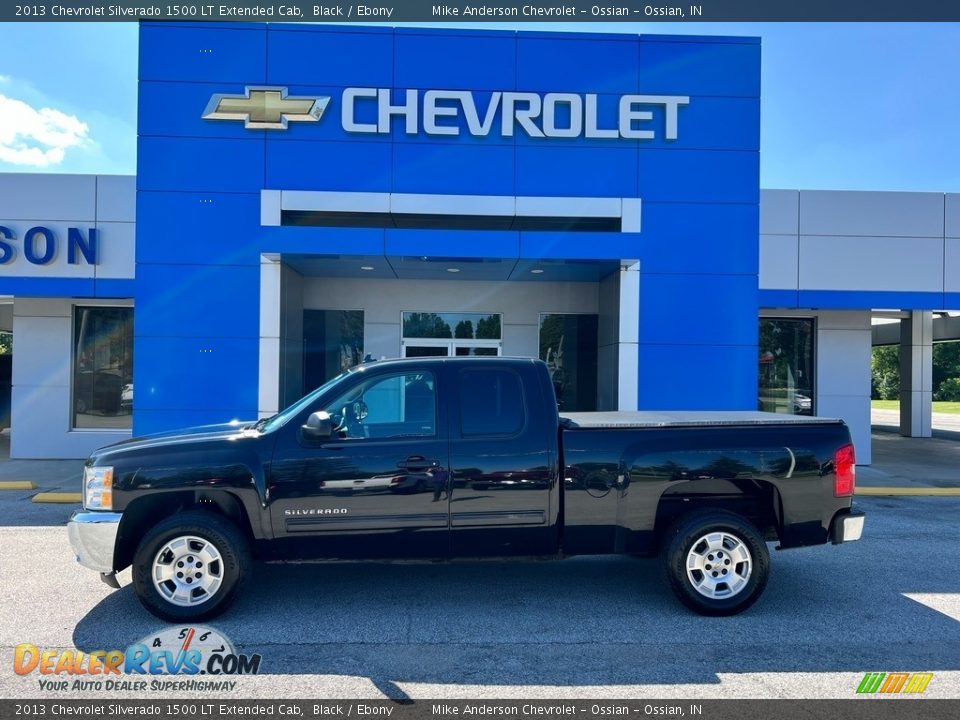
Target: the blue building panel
(583, 64)
(216, 375)
(577, 171)
(211, 53)
(697, 239)
(699, 176)
(193, 228)
(147, 422)
(200, 165)
(787, 299)
(453, 169)
(580, 245)
(703, 309)
(697, 377)
(353, 167)
(699, 68)
(860, 299)
(198, 301)
(454, 60)
(341, 57)
(47, 287)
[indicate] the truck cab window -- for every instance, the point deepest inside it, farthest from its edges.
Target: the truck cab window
(390, 406)
(491, 402)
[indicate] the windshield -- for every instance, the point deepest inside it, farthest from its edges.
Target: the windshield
(281, 418)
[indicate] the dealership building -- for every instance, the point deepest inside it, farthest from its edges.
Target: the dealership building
(310, 196)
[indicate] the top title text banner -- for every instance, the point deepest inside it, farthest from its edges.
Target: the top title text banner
(417, 11)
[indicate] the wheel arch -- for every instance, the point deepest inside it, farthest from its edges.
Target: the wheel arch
(145, 512)
(758, 501)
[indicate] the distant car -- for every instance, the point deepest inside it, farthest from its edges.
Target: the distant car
(126, 398)
(802, 404)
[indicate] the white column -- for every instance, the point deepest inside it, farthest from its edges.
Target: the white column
(916, 375)
(629, 335)
(269, 373)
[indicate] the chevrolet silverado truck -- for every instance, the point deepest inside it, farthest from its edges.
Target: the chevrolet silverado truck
(438, 458)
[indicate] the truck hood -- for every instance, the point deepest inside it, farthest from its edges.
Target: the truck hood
(183, 437)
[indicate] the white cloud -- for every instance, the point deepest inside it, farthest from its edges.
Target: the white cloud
(5, 79)
(37, 138)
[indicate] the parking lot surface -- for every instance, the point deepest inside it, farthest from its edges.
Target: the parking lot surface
(586, 627)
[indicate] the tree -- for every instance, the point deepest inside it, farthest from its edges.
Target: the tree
(425, 325)
(885, 373)
(946, 362)
(463, 330)
(488, 328)
(6, 343)
(948, 390)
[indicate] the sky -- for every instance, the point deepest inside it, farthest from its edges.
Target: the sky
(843, 106)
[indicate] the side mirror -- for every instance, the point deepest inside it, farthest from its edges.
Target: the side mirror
(318, 427)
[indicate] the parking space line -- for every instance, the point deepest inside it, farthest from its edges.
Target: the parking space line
(17, 485)
(57, 497)
(910, 491)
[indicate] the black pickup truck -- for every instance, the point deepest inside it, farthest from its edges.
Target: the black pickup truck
(462, 458)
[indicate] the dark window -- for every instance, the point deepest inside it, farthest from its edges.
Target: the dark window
(332, 343)
(568, 345)
(102, 367)
(786, 366)
(491, 402)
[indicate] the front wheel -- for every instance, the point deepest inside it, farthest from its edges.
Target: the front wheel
(190, 566)
(716, 562)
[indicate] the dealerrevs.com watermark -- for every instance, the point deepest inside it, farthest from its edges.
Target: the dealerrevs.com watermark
(167, 661)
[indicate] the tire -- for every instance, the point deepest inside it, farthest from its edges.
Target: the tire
(728, 570)
(207, 550)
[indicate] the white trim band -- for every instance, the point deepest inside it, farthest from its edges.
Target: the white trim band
(274, 202)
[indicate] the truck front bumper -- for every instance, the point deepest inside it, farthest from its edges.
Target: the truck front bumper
(847, 527)
(93, 536)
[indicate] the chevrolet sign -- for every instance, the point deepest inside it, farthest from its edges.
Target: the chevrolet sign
(437, 112)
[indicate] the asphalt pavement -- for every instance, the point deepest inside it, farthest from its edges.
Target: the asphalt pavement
(585, 627)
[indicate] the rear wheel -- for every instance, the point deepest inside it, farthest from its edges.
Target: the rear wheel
(716, 562)
(191, 566)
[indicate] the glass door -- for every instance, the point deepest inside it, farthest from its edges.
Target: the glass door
(426, 348)
(429, 334)
(449, 348)
(476, 349)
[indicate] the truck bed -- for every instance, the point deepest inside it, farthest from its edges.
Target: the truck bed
(681, 418)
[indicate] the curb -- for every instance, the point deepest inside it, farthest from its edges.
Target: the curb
(58, 497)
(909, 491)
(17, 485)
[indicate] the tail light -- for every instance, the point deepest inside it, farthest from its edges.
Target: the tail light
(844, 471)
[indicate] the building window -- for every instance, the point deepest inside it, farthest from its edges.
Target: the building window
(568, 345)
(332, 343)
(451, 334)
(786, 366)
(102, 367)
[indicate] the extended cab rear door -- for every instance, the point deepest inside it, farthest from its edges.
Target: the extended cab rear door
(503, 461)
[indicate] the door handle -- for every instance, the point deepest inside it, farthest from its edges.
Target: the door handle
(417, 462)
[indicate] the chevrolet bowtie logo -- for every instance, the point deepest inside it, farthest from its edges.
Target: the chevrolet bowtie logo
(265, 108)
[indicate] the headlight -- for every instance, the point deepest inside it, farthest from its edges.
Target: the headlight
(98, 488)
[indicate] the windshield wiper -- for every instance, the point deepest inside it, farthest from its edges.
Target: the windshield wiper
(260, 424)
